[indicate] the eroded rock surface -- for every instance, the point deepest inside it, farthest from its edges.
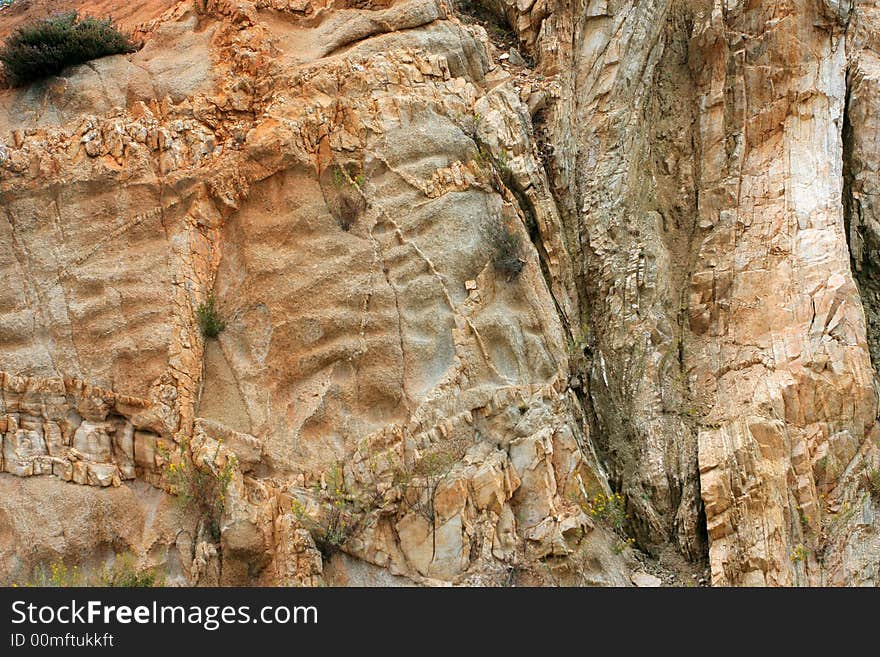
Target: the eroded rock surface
(469, 290)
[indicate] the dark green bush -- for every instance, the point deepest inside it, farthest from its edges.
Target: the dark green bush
(47, 47)
(209, 318)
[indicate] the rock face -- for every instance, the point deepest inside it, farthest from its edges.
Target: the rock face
(597, 309)
(780, 350)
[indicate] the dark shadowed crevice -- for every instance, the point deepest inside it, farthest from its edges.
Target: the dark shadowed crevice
(860, 223)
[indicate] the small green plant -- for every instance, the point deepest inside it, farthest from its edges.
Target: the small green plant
(873, 477)
(610, 509)
(623, 544)
(200, 487)
(805, 521)
(419, 482)
(469, 124)
(344, 196)
(482, 161)
(799, 553)
(507, 252)
(339, 177)
(209, 318)
(342, 507)
(124, 573)
(47, 47)
(504, 167)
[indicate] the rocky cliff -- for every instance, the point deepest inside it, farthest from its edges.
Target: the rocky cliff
(515, 293)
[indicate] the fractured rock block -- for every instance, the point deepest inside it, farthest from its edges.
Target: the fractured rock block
(145, 449)
(20, 447)
(92, 439)
(123, 450)
(102, 474)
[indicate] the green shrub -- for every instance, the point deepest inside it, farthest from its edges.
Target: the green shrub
(341, 514)
(332, 531)
(507, 252)
(336, 523)
(124, 573)
(199, 488)
(610, 509)
(209, 318)
(419, 484)
(47, 47)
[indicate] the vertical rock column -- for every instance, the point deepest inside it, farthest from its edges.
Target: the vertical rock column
(622, 131)
(779, 343)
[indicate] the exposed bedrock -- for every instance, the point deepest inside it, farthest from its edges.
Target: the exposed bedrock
(575, 293)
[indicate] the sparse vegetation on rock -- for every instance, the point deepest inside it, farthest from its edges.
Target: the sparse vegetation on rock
(56, 574)
(200, 487)
(123, 572)
(210, 321)
(342, 511)
(47, 47)
(507, 252)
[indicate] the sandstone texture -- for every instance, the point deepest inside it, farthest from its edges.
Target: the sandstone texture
(671, 381)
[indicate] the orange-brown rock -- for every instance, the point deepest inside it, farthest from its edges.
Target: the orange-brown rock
(467, 294)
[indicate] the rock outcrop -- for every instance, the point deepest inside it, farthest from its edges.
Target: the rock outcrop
(514, 294)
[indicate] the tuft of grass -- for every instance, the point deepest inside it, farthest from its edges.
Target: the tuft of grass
(344, 194)
(873, 476)
(338, 176)
(124, 573)
(209, 318)
(47, 47)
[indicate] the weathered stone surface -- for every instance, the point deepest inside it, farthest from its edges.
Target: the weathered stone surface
(682, 185)
(780, 351)
(646, 580)
(87, 527)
